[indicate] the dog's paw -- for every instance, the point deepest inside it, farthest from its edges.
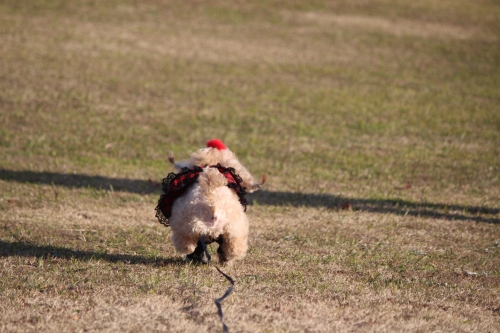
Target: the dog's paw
(223, 260)
(199, 256)
(196, 259)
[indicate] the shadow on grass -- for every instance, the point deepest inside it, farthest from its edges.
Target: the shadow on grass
(81, 181)
(26, 249)
(382, 206)
(263, 197)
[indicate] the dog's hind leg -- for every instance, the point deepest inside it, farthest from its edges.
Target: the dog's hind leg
(232, 248)
(220, 252)
(183, 243)
(199, 254)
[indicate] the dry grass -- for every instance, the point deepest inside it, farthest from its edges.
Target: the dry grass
(308, 269)
(377, 121)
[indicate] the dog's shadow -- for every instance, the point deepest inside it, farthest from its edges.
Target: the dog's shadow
(382, 206)
(28, 249)
(274, 198)
(70, 180)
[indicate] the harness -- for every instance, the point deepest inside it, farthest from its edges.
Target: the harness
(176, 184)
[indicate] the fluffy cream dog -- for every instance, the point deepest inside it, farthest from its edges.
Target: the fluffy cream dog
(206, 198)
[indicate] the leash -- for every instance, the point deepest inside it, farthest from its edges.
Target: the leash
(226, 294)
(218, 300)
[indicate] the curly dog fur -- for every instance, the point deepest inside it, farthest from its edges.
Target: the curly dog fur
(211, 208)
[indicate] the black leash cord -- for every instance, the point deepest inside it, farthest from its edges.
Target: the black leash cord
(218, 300)
(228, 291)
(205, 248)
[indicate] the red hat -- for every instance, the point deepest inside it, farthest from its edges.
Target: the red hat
(216, 143)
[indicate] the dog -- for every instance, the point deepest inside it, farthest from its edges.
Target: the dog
(204, 202)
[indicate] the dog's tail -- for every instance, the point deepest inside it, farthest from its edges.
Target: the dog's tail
(171, 157)
(178, 165)
(211, 179)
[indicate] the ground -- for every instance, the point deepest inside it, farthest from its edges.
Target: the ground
(377, 122)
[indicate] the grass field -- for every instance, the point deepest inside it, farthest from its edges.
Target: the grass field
(378, 123)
